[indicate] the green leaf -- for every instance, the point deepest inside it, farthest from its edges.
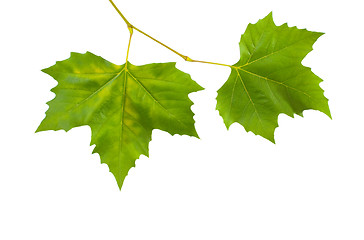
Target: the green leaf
(269, 78)
(121, 104)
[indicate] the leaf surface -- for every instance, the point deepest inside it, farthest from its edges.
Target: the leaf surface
(269, 78)
(121, 104)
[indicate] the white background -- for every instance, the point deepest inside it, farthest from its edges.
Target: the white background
(228, 185)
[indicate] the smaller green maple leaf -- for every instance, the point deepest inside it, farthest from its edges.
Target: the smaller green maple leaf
(121, 104)
(269, 78)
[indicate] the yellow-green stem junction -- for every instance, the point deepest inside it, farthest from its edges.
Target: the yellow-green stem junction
(131, 27)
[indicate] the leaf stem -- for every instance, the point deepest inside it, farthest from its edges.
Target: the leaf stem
(131, 27)
(127, 52)
(121, 15)
(220, 64)
(179, 54)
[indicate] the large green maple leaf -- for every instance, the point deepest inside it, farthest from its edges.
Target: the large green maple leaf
(269, 78)
(121, 104)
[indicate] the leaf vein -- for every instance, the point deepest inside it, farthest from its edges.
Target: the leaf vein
(251, 100)
(277, 82)
(98, 90)
(155, 100)
(274, 52)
